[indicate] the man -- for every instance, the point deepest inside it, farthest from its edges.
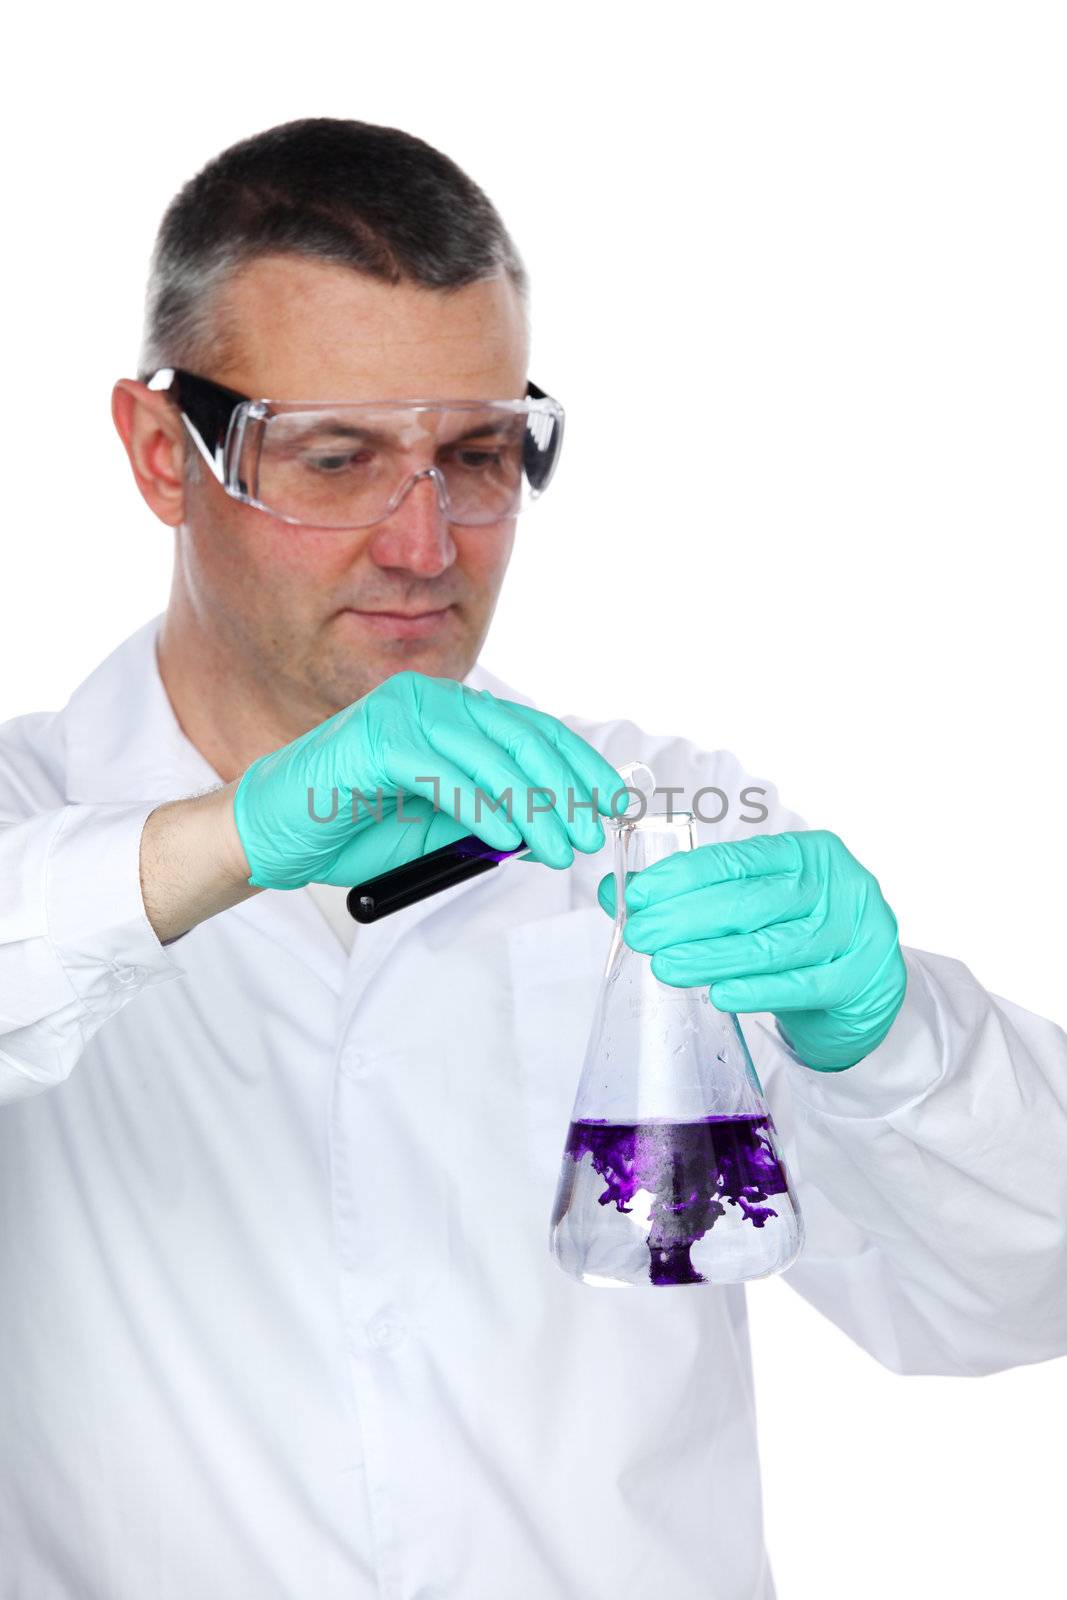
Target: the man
(279, 1316)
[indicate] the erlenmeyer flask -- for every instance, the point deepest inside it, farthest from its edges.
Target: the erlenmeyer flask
(672, 1171)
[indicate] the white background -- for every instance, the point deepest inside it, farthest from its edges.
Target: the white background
(799, 278)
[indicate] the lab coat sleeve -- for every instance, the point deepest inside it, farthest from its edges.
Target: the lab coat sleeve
(75, 942)
(932, 1175)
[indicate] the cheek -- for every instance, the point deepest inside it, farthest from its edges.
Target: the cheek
(309, 554)
(483, 554)
(236, 545)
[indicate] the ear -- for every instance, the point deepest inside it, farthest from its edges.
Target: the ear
(151, 431)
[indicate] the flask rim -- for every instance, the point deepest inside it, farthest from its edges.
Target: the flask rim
(661, 820)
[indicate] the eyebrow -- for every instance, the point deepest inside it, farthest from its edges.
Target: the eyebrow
(345, 430)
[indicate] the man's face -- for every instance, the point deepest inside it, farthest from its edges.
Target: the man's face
(323, 615)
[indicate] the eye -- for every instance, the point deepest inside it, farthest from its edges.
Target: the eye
(479, 460)
(335, 461)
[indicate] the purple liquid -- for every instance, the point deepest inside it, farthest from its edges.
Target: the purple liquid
(474, 848)
(690, 1169)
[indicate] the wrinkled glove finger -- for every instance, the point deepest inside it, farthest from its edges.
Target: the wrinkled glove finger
(686, 870)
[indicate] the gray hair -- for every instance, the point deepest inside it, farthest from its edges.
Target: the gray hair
(375, 199)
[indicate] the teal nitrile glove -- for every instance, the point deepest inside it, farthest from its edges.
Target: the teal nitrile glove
(789, 923)
(425, 738)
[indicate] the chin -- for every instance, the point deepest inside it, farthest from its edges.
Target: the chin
(350, 679)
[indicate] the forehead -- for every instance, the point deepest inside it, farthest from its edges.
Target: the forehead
(309, 330)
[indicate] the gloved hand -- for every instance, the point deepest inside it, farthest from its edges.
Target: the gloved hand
(403, 735)
(789, 923)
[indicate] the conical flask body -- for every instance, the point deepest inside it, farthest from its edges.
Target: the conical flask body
(672, 1171)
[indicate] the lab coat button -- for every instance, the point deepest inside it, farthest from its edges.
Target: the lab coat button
(385, 1330)
(355, 1064)
(127, 975)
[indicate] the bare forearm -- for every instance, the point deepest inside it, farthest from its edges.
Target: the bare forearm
(192, 863)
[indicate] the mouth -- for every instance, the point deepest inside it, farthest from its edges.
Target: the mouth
(402, 624)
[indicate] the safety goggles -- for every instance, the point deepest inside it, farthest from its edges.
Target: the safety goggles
(340, 465)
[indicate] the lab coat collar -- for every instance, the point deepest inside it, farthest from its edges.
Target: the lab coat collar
(123, 740)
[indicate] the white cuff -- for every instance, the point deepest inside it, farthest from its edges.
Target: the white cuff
(94, 910)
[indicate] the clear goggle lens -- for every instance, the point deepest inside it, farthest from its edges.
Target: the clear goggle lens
(349, 466)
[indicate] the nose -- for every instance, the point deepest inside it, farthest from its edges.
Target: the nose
(416, 534)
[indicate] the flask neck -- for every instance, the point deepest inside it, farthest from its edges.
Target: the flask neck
(659, 1052)
(640, 841)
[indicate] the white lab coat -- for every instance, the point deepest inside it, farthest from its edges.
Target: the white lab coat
(277, 1312)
